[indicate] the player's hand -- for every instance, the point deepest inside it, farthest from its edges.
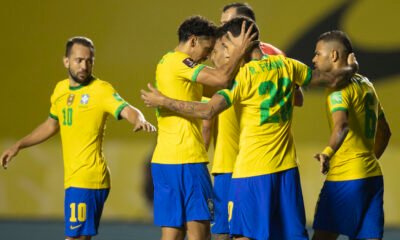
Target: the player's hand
(144, 125)
(324, 162)
(153, 98)
(8, 155)
(245, 39)
(352, 61)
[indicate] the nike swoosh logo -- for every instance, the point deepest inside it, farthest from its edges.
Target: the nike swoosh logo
(374, 63)
(75, 227)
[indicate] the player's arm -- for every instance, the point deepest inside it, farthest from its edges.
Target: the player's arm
(208, 126)
(222, 75)
(43, 132)
(298, 96)
(339, 133)
(382, 136)
(201, 110)
(135, 117)
(336, 78)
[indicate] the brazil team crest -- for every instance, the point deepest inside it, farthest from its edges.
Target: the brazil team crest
(84, 99)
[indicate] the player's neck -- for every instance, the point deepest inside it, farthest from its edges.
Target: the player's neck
(255, 54)
(183, 48)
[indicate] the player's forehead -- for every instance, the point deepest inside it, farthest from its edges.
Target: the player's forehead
(79, 50)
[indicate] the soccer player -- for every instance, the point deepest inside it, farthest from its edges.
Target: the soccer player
(79, 109)
(182, 186)
(227, 129)
(265, 198)
(351, 200)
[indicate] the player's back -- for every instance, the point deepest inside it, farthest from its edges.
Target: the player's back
(355, 158)
(179, 139)
(263, 93)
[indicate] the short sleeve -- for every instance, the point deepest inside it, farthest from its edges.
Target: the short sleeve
(234, 94)
(53, 107)
(112, 102)
(338, 101)
(188, 69)
(301, 72)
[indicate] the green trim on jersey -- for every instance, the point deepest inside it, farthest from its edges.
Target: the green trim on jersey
(339, 109)
(75, 88)
(227, 99)
(53, 116)
(197, 71)
(119, 110)
(308, 77)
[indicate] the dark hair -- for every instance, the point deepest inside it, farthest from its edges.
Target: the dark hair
(197, 26)
(337, 36)
(242, 9)
(79, 40)
(235, 26)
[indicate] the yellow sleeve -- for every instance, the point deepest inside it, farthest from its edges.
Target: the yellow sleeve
(53, 106)
(234, 94)
(338, 101)
(301, 72)
(188, 69)
(112, 102)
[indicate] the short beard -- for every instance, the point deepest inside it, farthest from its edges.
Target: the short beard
(77, 80)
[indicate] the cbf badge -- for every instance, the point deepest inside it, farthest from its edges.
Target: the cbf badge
(85, 99)
(70, 99)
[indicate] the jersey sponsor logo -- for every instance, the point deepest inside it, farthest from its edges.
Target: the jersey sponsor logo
(189, 62)
(336, 98)
(75, 227)
(70, 99)
(85, 99)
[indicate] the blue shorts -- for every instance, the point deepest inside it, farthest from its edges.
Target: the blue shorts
(82, 210)
(220, 224)
(182, 193)
(353, 208)
(268, 207)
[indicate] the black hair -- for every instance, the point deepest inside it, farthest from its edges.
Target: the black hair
(235, 26)
(337, 36)
(197, 26)
(242, 9)
(79, 40)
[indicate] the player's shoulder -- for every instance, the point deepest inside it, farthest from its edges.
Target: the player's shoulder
(270, 49)
(61, 86)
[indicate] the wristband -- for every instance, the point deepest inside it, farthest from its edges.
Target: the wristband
(328, 151)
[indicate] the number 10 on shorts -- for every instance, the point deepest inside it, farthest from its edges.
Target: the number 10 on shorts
(78, 211)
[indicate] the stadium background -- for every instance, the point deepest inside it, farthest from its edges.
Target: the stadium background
(130, 37)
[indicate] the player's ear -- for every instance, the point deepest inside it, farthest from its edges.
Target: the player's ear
(193, 41)
(66, 62)
(334, 55)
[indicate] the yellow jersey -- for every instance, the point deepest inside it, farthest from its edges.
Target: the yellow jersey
(179, 139)
(82, 112)
(355, 159)
(227, 142)
(263, 92)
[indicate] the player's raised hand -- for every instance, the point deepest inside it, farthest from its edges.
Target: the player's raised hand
(324, 162)
(352, 61)
(153, 98)
(7, 155)
(245, 39)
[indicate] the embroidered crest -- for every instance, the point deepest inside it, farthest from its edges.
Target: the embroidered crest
(189, 62)
(70, 99)
(85, 99)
